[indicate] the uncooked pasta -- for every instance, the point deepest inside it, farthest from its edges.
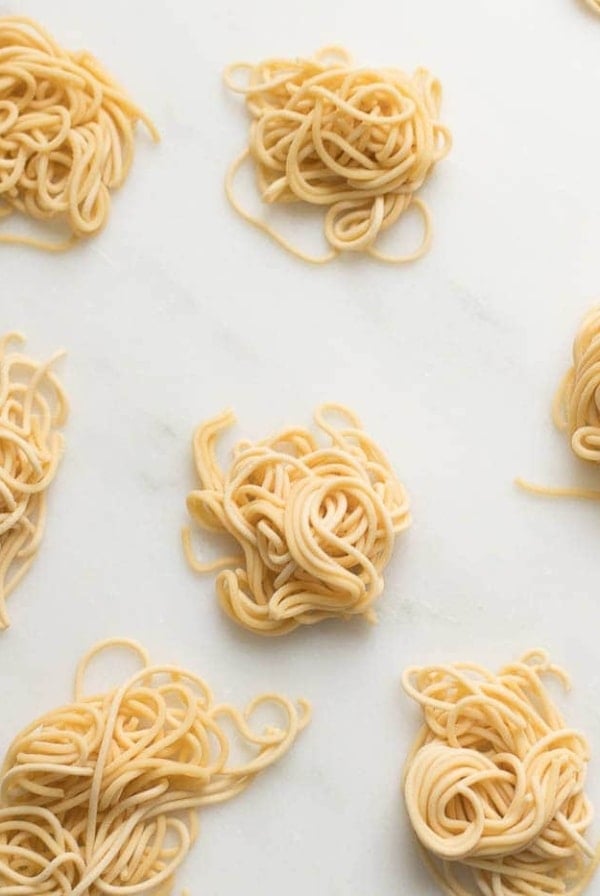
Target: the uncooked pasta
(494, 785)
(576, 406)
(358, 142)
(315, 526)
(101, 795)
(33, 407)
(66, 134)
(576, 409)
(594, 4)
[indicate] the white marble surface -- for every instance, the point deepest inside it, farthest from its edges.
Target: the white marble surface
(180, 309)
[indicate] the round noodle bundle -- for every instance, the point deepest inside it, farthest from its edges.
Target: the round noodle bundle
(494, 783)
(576, 406)
(358, 141)
(33, 406)
(66, 133)
(100, 796)
(316, 525)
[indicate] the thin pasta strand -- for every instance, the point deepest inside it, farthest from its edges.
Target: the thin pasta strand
(360, 142)
(33, 408)
(101, 796)
(66, 134)
(316, 525)
(494, 784)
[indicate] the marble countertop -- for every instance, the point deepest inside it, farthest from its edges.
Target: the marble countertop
(180, 309)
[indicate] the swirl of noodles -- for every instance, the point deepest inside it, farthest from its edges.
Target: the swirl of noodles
(33, 406)
(360, 142)
(576, 407)
(66, 133)
(495, 781)
(99, 797)
(316, 525)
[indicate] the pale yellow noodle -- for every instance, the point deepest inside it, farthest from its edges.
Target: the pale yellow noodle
(66, 134)
(33, 408)
(594, 4)
(494, 784)
(100, 797)
(359, 142)
(576, 407)
(315, 525)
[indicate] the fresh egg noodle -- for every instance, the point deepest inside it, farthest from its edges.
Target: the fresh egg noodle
(576, 406)
(359, 142)
(315, 525)
(101, 795)
(66, 133)
(33, 407)
(494, 785)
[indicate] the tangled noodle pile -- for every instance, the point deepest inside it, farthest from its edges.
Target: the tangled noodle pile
(494, 785)
(66, 133)
(316, 526)
(33, 407)
(359, 142)
(100, 796)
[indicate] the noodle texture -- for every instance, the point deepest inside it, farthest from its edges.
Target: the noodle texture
(576, 406)
(315, 526)
(594, 4)
(494, 785)
(100, 796)
(358, 142)
(33, 407)
(66, 134)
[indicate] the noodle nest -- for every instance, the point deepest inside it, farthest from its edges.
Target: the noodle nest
(576, 409)
(100, 796)
(316, 525)
(33, 407)
(494, 785)
(66, 133)
(358, 142)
